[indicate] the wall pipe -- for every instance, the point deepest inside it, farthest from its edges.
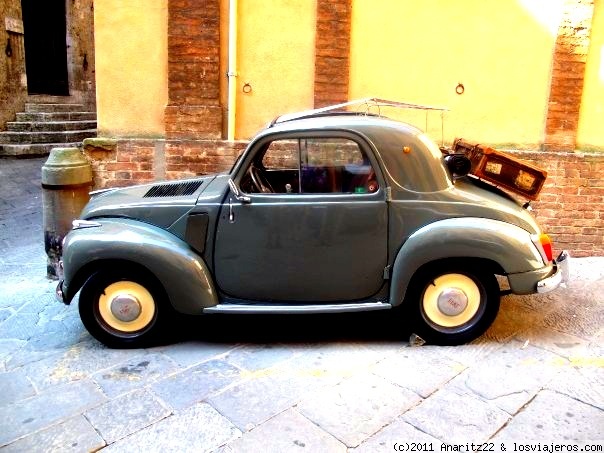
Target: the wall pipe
(232, 71)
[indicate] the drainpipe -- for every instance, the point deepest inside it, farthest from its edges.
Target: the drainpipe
(232, 70)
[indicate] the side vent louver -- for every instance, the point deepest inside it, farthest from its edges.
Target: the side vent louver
(173, 190)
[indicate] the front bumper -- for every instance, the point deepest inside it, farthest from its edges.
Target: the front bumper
(59, 294)
(560, 274)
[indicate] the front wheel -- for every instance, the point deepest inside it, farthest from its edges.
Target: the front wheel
(123, 309)
(451, 305)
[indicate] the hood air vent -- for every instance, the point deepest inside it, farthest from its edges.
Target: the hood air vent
(173, 190)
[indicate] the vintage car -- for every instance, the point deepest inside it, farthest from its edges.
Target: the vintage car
(325, 212)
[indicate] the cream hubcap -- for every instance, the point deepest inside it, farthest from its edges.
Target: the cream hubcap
(126, 306)
(452, 301)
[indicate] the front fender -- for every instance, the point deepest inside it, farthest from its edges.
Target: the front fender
(502, 243)
(182, 273)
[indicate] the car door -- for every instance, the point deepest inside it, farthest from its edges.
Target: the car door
(313, 226)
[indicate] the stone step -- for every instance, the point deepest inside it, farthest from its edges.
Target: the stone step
(45, 137)
(48, 126)
(51, 99)
(34, 108)
(36, 149)
(57, 116)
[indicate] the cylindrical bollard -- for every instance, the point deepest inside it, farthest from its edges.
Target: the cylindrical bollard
(66, 181)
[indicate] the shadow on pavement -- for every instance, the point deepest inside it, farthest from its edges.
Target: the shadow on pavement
(367, 327)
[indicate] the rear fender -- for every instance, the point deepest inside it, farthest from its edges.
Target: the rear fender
(182, 273)
(505, 247)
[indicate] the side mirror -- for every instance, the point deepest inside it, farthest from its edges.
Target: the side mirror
(458, 164)
(237, 193)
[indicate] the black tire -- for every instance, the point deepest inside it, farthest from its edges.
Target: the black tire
(451, 304)
(97, 308)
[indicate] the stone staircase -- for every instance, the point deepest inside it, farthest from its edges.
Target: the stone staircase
(44, 126)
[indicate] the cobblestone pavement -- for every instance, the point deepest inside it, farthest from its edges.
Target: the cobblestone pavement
(272, 384)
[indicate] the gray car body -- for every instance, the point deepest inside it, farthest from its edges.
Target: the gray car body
(210, 248)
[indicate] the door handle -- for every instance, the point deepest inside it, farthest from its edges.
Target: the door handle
(231, 213)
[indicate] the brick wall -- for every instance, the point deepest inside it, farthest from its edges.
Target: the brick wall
(120, 163)
(332, 52)
(568, 73)
(193, 109)
(190, 158)
(125, 162)
(571, 205)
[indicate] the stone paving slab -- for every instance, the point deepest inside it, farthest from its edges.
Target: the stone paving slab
(398, 433)
(456, 417)
(287, 431)
(423, 370)
(511, 378)
(555, 418)
(358, 407)
(134, 373)
(73, 363)
(191, 353)
(15, 387)
(200, 381)
(54, 406)
(127, 414)
(199, 428)
(259, 398)
(73, 435)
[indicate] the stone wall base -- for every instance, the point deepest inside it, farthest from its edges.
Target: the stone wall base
(570, 208)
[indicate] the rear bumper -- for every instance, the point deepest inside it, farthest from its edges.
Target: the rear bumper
(541, 280)
(560, 275)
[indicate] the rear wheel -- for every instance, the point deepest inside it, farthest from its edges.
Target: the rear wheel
(123, 308)
(452, 305)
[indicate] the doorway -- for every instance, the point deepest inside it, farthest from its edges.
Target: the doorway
(45, 47)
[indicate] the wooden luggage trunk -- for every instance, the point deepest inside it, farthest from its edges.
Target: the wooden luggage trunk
(502, 169)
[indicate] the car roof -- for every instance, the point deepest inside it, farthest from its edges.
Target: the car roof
(351, 121)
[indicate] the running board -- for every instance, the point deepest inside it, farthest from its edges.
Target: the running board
(293, 309)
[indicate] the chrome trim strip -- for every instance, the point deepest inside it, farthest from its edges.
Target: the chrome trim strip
(78, 223)
(294, 309)
(100, 191)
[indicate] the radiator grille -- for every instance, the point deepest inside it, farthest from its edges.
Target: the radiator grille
(173, 190)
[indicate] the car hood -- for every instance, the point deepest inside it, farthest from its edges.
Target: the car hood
(159, 203)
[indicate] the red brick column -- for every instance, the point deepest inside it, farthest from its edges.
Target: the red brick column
(193, 110)
(568, 73)
(332, 51)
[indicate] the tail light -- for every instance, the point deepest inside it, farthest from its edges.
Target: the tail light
(544, 244)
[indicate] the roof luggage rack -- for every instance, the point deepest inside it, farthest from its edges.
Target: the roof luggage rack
(367, 103)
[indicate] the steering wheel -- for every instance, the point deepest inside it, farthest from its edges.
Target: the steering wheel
(259, 180)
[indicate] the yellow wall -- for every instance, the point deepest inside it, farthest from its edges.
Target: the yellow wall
(131, 67)
(591, 122)
(500, 50)
(276, 46)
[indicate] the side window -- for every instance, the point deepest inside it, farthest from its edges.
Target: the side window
(310, 165)
(281, 155)
(335, 165)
